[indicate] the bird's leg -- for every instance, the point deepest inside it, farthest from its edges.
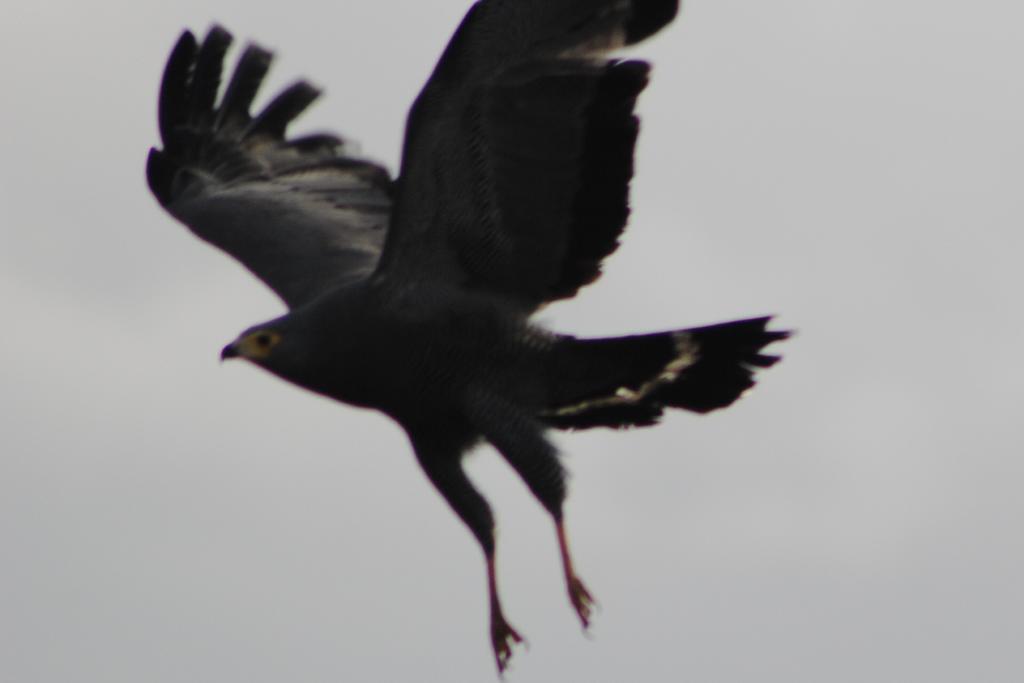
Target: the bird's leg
(520, 440)
(444, 468)
(579, 596)
(503, 636)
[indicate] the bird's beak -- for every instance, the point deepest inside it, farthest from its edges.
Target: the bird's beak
(229, 351)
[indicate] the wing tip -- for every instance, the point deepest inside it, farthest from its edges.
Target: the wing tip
(192, 77)
(217, 39)
(206, 72)
(283, 109)
(601, 206)
(648, 17)
(160, 175)
(249, 72)
(174, 86)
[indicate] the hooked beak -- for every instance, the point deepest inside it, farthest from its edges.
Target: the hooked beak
(229, 351)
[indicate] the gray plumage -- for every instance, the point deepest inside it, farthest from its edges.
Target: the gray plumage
(414, 296)
(301, 214)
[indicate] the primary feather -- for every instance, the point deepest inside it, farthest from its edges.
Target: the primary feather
(302, 214)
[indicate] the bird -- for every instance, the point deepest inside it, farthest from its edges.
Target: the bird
(415, 295)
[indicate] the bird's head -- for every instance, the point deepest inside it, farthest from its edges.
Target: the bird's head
(293, 349)
(254, 344)
(276, 345)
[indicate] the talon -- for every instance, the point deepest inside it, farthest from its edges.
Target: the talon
(503, 639)
(582, 601)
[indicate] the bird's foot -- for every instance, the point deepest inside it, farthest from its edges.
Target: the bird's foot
(581, 600)
(503, 639)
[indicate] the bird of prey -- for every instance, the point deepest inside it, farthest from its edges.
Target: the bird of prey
(414, 295)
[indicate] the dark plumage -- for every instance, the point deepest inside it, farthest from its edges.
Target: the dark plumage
(414, 296)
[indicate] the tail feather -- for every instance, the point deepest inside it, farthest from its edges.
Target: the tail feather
(629, 381)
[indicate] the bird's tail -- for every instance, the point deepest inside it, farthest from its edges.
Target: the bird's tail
(628, 381)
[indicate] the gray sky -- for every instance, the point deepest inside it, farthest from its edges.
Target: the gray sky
(853, 167)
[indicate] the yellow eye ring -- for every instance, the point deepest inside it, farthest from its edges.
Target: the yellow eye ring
(258, 345)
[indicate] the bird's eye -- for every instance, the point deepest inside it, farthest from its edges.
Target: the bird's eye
(258, 345)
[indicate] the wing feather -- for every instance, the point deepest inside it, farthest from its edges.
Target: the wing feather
(245, 83)
(519, 150)
(302, 214)
(206, 73)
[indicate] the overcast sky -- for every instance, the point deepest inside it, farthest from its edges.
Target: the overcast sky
(855, 167)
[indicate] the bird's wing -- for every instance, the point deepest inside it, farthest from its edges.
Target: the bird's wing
(301, 213)
(519, 149)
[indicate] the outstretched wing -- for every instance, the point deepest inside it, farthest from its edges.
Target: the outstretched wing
(301, 213)
(519, 150)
